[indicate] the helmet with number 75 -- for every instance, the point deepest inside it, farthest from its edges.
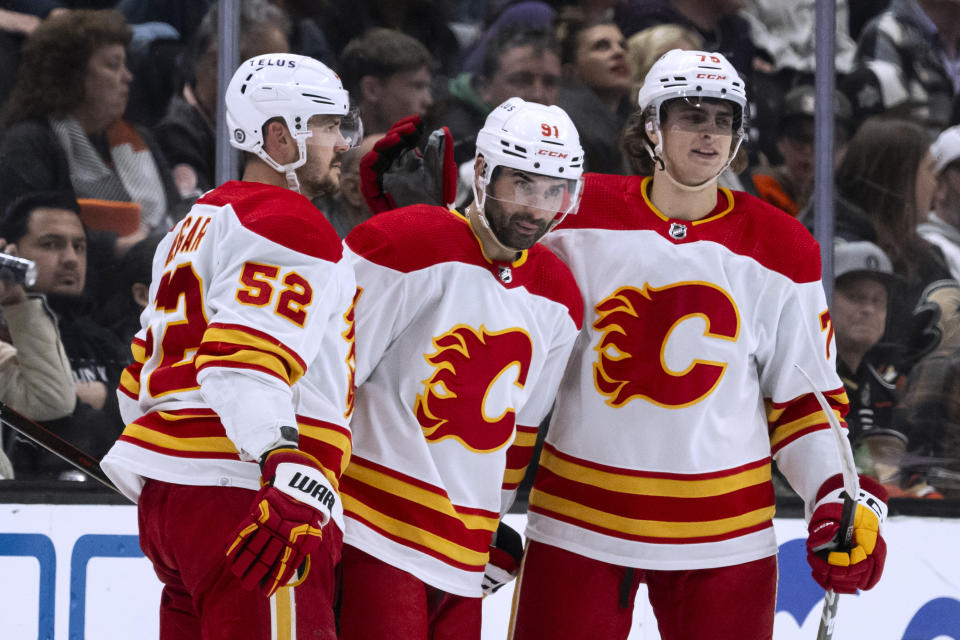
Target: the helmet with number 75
(535, 139)
(287, 86)
(692, 76)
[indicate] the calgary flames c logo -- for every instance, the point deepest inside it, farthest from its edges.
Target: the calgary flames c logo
(470, 395)
(636, 326)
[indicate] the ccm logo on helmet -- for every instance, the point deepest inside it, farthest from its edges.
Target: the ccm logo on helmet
(711, 76)
(551, 153)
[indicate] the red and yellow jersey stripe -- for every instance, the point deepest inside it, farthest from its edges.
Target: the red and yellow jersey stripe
(417, 515)
(518, 456)
(235, 346)
(198, 433)
(796, 418)
(652, 507)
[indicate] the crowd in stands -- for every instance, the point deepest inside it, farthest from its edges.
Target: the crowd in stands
(107, 136)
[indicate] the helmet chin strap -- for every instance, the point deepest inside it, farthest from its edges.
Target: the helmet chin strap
(289, 170)
(656, 154)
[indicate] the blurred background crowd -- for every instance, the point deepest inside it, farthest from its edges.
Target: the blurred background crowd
(107, 136)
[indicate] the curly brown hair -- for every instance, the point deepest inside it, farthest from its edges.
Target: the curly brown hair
(50, 79)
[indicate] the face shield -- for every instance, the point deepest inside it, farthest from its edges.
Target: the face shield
(336, 132)
(546, 198)
(693, 114)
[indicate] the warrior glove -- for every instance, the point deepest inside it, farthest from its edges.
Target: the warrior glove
(395, 173)
(284, 524)
(844, 570)
(506, 552)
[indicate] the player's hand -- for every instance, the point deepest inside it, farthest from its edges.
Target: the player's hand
(396, 174)
(846, 570)
(284, 524)
(506, 552)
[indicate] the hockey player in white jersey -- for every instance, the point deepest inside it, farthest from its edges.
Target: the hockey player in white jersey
(464, 326)
(683, 390)
(237, 406)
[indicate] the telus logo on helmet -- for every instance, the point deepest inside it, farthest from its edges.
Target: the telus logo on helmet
(279, 62)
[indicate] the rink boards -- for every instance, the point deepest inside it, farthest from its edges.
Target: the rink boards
(76, 572)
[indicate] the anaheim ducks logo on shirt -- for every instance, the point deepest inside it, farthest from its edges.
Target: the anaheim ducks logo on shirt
(471, 394)
(636, 326)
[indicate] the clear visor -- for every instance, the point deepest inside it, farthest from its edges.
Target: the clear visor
(694, 114)
(546, 197)
(340, 132)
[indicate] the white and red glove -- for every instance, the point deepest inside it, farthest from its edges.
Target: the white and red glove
(859, 567)
(506, 552)
(285, 521)
(395, 173)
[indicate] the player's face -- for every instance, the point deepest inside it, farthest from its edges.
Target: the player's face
(320, 174)
(520, 206)
(697, 138)
(56, 241)
(859, 312)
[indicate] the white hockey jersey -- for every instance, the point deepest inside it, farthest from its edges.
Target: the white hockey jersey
(249, 328)
(683, 386)
(454, 354)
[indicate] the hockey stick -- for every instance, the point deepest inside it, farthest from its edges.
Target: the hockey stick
(851, 487)
(54, 444)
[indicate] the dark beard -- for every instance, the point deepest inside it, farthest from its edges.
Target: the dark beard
(514, 240)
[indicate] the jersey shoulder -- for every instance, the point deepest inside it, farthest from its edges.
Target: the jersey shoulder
(415, 237)
(774, 238)
(606, 203)
(279, 215)
(551, 278)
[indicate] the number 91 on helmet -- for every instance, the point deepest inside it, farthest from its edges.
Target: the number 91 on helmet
(531, 160)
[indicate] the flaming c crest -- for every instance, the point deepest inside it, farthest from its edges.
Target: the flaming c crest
(635, 327)
(473, 372)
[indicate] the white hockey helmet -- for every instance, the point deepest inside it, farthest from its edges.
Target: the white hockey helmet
(692, 76)
(536, 139)
(287, 86)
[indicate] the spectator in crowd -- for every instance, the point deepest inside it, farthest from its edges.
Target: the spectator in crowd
(920, 41)
(388, 74)
(46, 228)
(930, 404)
(645, 47)
(718, 22)
(523, 63)
(66, 126)
(784, 33)
(789, 185)
(942, 227)
(121, 313)
(15, 26)
(863, 277)
(884, 186)
(347, 208)
(186, 132)
(35, 376)
(529, 14)
(595, 88)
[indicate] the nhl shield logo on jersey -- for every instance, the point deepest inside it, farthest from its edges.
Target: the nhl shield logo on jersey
(477, 378)
(635, 326)
(678, 231)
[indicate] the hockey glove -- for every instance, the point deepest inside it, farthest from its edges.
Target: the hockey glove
(860, 567)
(396, 174)
(284, 524)
(506, 552)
